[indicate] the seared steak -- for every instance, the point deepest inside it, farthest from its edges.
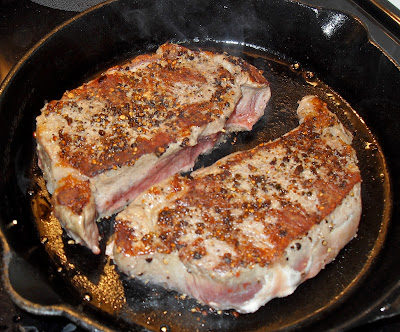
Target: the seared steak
(106, 141)
(254, 225)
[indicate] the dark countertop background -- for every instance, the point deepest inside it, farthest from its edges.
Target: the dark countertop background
(24, 22)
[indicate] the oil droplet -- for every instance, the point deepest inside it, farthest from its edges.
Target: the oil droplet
(44, 240)
(310, 78)
(235, 314)
(165, 328)
(370, 146)
(87, 297)
(332, 97)
(309, 74)
(12, 223)
(295, 66)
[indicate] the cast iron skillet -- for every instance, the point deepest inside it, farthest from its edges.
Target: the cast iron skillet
(302, 50)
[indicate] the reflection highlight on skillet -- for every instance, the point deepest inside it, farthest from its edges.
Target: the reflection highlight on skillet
(333, 23)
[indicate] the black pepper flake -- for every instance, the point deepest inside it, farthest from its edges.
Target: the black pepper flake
(227, 258)
(313, 170)
(282, 232)
(149, 260)
(298, 170)
(68, 119)
(185, 142)
(197, 255)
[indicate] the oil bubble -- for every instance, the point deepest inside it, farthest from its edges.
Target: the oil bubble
(309, 74)
(295, 66)
(165, 328)
(87, 297)
(370, 146)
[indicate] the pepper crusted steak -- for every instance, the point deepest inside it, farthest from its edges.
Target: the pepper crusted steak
(254, 225)
(106, 141)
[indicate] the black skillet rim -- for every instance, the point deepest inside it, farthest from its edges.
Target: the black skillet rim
(8, 80)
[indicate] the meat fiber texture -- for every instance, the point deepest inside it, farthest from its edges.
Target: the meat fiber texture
(254, 225)
(106, 141)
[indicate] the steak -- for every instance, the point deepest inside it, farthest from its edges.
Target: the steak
(136, 124)
(254, 225)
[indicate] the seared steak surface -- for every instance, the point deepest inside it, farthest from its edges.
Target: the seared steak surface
(106, 141)
(254, 225)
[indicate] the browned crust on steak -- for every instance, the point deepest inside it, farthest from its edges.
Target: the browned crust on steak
(141, 101)
(73, 194)
(214, 195)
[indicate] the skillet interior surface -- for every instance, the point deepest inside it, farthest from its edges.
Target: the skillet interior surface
(301, 53)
